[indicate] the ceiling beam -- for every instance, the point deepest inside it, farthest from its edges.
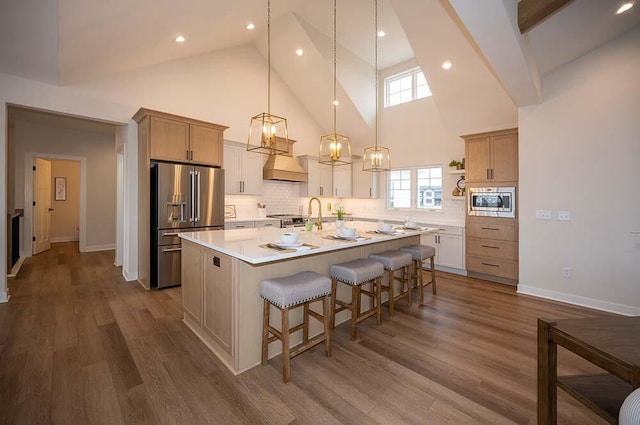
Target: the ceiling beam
(532, 12)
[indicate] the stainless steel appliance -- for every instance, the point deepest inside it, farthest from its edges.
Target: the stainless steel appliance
(183, 198)
(289, 220)
(492, 202)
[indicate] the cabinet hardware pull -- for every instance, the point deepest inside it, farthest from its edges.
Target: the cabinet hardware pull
(492, 174)
(187, 154)
(488, 178)
(492, 247)
(488, 264)
(239, 226)
(489, 228)
(370, 193)
(172, 250)
(268, 224)
(170, 234)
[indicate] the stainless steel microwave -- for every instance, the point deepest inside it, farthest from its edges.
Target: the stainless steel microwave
(492, 202)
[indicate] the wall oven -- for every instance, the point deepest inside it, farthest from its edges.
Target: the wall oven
(492, 202)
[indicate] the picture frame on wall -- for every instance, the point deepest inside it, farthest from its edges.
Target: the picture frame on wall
(60, 188)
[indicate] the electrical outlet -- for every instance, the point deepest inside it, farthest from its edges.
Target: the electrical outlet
(566, 271)
(543, 215)
(564, 216)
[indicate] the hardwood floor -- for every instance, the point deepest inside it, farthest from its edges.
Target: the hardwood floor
(79, 345)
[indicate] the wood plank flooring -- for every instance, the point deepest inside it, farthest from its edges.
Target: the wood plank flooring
(79, 345)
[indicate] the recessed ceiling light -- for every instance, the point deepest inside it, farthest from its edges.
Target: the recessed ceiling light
(336, 103)
(446, 64)
(624, 8)
(299, 52)
(381, 33)
(180, 39)
(250, 26)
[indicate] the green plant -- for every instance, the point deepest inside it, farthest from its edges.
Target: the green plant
(340, 212)
(454, 163)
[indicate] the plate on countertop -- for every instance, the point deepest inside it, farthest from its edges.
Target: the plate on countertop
(346, 238)
(281, 244)
(385, 232)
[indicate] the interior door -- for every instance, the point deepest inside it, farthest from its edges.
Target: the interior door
(42, 207)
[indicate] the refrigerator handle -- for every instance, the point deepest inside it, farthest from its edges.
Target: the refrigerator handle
(198, 196)
(192, 184)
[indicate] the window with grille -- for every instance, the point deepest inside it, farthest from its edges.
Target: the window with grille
(405, 87)
(415, 188)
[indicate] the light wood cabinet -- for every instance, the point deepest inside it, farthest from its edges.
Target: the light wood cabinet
(207, 291)
(492, 157)
(243, 170)
(191, 281)
(216, 283)
(180, 139)
(492, 247)
(320, 177)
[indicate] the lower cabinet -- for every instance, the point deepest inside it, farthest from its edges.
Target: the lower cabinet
(492, 247)
(449, 245)
(207, 296)
(251, 224)
(216, 282)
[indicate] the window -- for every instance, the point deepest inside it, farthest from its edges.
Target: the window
(405, 87)
(415, 188)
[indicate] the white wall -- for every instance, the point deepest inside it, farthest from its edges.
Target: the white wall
(579, 151)
(98, 149)
(65, 217)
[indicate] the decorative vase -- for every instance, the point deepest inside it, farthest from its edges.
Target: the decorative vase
(339, 224)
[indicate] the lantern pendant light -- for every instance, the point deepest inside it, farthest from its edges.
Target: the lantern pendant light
(376, 158)
(335, 148)
(268, 134)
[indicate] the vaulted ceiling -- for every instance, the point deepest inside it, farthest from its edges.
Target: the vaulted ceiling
(495, 68)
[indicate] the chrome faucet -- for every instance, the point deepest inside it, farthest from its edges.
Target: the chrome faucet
(319, 222)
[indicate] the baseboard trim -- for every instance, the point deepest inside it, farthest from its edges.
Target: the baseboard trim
(94, 248)
(64, 239)
(127, 276)
(624, 310)
(4, 296)
(16, 267)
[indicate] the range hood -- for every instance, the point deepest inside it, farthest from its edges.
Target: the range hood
(284, 167)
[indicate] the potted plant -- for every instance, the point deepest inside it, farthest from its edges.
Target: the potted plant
(340, 219)
(456, 164)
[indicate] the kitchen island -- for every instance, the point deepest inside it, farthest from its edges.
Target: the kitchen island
(222, 270)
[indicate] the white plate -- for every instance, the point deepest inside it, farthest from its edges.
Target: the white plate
(347, 238)
(412, 227)
(288, 245)
(386, 231)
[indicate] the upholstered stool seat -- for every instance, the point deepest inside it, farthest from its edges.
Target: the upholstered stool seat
(419, 254)
(393, 261)
(356, 273)
(290, 292)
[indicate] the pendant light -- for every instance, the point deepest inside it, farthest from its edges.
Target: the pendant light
(335, 148)
(268, 134)
(376, 158)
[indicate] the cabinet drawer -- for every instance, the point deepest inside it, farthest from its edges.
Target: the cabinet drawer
(507, 231)
(493, 266)
(270, 223)
(492, 248)
(239, 225)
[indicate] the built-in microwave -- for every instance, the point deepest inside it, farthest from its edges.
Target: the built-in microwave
(492, 201)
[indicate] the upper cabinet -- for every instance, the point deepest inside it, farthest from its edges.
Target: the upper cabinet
(365, 183)
(320, 177)
(342, 181)
(243, 170)
(179, 139)
(492, 157)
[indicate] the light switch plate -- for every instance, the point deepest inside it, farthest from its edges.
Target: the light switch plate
(564, 216)
(543, 215)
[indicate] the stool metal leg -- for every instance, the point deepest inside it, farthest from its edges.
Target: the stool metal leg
(286, 355)
(265, 332)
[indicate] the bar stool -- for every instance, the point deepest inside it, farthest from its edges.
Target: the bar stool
(419, 254)
(393, 261)
(287, 293)
(355, 274)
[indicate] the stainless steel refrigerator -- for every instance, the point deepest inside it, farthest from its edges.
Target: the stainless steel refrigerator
(183, 198)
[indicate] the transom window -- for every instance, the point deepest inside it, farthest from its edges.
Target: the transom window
(415, 188)
(405, 87)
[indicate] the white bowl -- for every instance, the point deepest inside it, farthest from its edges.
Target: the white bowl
(289, 238)
(411, 224)
(348, 231)
(385, 227)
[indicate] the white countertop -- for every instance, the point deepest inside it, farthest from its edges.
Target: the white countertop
(245, 243)
(243, 219)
